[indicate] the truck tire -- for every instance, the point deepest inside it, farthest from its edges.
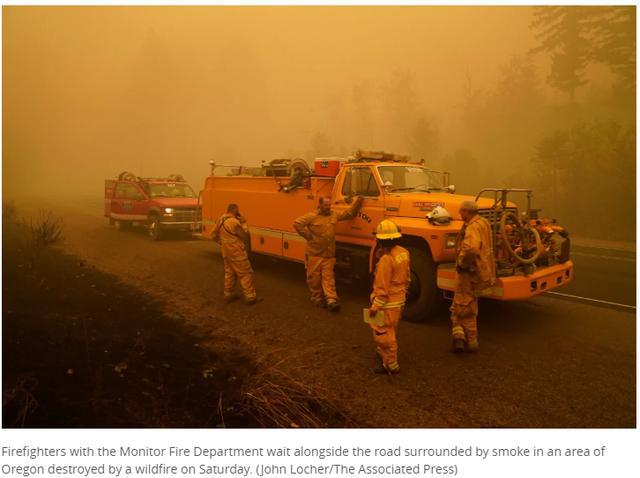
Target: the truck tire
(423, 298)
(121, 225)
(154, 227)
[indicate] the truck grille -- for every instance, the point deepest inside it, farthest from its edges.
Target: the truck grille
(186, 214)
(490, 214)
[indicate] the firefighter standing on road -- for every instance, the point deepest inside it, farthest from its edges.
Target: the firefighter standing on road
(390, 287)
(231, 232)
(319, 229)
(476, 272)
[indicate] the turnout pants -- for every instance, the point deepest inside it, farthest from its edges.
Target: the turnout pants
(464, 312)
(238, 270)
(320, 279)
(385, 338)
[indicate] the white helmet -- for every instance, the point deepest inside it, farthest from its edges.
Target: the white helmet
(439, 216)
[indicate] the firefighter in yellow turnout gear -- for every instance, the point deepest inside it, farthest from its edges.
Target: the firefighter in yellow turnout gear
(319, 229)
(476, 272)
(390, 287)
(231, 232)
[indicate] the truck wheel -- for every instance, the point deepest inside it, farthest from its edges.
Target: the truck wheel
(423, 300)
(155, 228)
(121, 225)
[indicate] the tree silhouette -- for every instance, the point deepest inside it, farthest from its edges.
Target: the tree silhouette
(586, 176)
(422, 140)
(563, 34)
(401, 107)
(321, 146)
(575, 36)
(614, 42)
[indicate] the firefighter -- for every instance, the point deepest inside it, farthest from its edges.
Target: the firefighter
(390, 287)
(476, 272)
(232, 233)
(319, 229)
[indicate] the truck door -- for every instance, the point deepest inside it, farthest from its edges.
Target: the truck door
(128, 203)
(117, 200)
(139, 201)
(359, 181)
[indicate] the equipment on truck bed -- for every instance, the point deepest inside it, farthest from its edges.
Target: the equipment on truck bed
(127, 176)
(368, 156)
(285, 167)
(329, 167)
(281, 167)
(521, 244)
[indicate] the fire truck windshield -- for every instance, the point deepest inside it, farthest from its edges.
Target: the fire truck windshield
(411, 178)
(169, 190)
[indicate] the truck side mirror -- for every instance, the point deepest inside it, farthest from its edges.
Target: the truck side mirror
(348, 199)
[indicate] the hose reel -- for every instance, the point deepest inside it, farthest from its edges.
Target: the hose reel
(525, 233)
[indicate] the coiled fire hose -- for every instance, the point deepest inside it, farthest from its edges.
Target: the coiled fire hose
(522, 230)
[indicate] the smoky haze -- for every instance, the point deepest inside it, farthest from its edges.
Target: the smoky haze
(89, 92)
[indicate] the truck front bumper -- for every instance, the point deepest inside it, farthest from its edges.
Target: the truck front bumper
(517, 286)
(190, 225)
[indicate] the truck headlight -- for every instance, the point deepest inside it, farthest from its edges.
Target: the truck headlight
(168, 210)
(450, 241)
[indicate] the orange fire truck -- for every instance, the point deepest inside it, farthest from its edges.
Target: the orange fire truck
(532, 254)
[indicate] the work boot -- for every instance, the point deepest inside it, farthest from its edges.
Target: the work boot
(393, 368)
(333, 306)
(458, 346)
(379, 370)
(320, 303)
(230, 298)
(472, 347)
(384, 370)
(253, 300)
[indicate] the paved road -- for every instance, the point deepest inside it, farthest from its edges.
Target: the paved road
(604, 274)
(546, 362)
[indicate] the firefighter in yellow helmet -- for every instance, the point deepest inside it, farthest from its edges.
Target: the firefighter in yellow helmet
(390, 286)
(476, 272)
(319, 229)
(232, 233)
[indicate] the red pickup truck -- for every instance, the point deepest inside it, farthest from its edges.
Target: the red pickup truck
(160, 204)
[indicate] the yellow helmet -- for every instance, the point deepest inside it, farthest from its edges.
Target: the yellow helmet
(387, 230)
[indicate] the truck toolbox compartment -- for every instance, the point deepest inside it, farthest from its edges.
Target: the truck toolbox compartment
(266, 241)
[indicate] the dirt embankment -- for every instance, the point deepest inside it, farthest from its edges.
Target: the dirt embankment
(81, 349)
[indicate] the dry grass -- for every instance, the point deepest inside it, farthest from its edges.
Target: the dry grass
(8, 211)
(275, 399)
(20, 398)
(42, 231)
(45, 230)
